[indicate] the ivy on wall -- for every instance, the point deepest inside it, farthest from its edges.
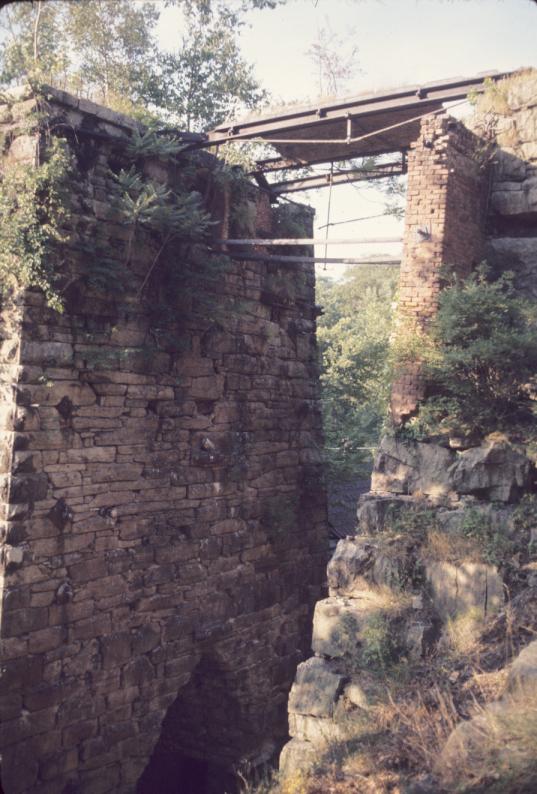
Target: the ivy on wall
(35, 214)
(34, 207)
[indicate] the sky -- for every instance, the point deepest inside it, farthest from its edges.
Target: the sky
(400, 42)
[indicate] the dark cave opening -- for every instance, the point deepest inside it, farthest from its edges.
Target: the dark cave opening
(202, 737)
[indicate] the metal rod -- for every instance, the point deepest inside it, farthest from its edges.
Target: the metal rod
(341, 177)
(355, 220)
(327, 230)
(272, 164)
(313, 259)
(311, 241)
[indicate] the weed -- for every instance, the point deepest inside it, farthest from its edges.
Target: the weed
(33, 213)
(380, 647)
(462, 633)
(498, 754)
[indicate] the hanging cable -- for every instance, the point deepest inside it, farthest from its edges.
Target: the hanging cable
(354, 220)
(328, 212)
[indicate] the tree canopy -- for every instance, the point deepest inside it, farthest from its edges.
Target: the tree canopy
(353, 336)
(107, 50)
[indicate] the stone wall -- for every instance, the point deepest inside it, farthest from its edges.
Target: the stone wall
(512, 243)
(161, 494)
(443, 227)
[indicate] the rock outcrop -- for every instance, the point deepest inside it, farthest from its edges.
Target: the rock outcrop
(500, 738)
(494, 471)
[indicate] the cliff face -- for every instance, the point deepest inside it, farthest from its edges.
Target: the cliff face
(160, 484)
(423, 662)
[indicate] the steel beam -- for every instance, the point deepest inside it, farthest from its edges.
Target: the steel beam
(338, 178)
(335, 260)
(412, 98)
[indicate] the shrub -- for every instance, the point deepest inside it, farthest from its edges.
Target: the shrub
(482, 357)
(33, 212)
(380, 648)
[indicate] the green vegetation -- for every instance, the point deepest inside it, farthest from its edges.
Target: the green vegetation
(479, 359)
(380, 647)
(354, 338)
(33, 210)
(494, 542)
(107, 50)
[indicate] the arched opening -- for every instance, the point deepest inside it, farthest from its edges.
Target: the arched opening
(200, 741)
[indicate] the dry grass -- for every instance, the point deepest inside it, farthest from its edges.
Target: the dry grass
(498, 753)
(413, 709)
(391, 602)
(421, 724)
(450, 547)
(462, 635)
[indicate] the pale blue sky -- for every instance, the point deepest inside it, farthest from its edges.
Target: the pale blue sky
(399, 42)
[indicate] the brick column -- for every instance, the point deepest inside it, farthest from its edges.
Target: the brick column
(444, 226)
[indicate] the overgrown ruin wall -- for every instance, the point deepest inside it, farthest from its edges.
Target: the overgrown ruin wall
(165, 528)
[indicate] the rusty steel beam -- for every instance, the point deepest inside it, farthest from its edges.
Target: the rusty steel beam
(271, 164)
(420, 98)
(339, 177)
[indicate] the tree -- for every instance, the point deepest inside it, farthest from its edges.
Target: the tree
(106, 50)
(114, 45)
(354, 336)
(31, 32)
(207, 79)
(335, 59)
(100, 49)
(480, 360)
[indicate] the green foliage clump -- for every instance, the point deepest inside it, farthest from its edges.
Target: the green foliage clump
(177, 225)
(494, 544)
(380, 648)
(33, 212)
(150, 205)
(291, 220)
(412, 520)
(154, 142)
(482, 357)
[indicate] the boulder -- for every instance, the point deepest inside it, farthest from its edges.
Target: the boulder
(361, 562)
(513, 202)
(376, 513)
(495, 738)
(316, 689)
(347, 568)
(338, 624)
(297, 756)
(465, 750)
(457, 589)
(522, 677)
(410, 467)
(317, 730)
(498, 517)
(494, 471)
(518, 254)
(355, 695)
